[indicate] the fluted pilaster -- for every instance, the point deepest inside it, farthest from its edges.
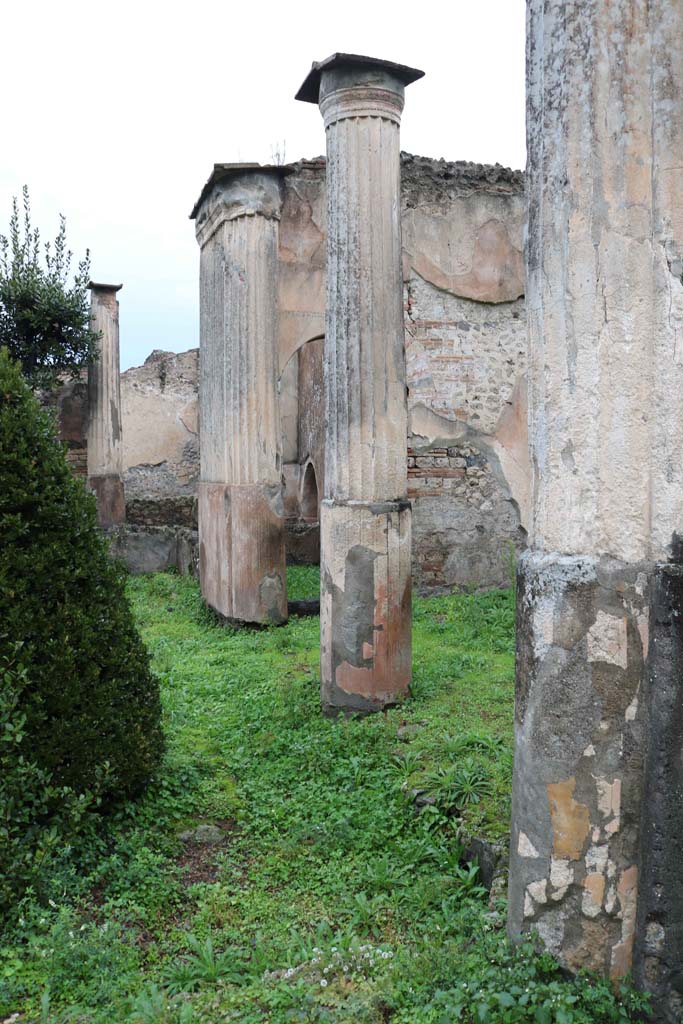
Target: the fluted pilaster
(241, 524)
(105, 444)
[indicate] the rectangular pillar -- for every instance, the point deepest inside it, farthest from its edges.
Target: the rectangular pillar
(365, 611)
(595, 864)
(105, 444)
(241, 511)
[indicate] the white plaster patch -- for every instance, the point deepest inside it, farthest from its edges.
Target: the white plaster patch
(589, 907)
(561, 877)
(632, 710)
(609, 802)
(596, 859)
(525, 848)
(611, 899)
(551, 930)
(607, 640)
(543, 617)
(589, 751)
(538, 890)
(644, 630)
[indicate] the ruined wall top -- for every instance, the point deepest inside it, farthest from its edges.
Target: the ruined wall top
(440, 180)
(437, 179)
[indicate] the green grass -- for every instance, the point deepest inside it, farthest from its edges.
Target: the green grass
(332, 898)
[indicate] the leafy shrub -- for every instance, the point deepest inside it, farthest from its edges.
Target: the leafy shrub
(80, 707)
(44, 317)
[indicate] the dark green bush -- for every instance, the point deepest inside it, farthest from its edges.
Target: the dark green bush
(81, 709)
(36, 817)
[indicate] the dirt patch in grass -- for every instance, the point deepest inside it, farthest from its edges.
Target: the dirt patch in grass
(198, 859)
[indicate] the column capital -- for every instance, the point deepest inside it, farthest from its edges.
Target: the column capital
(238, 190)
(97, 286)
(104, 295)
(351, 85)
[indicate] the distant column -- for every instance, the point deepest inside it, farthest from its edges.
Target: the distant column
(105, 447)
(241, 510)
(597, 814)
(365, 516)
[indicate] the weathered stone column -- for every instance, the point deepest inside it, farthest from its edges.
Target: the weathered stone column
(597, 816)
(241, 511)
(105, 447)
(365, 516)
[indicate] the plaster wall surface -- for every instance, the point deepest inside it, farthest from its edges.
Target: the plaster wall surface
(161, 425)
(466, 359)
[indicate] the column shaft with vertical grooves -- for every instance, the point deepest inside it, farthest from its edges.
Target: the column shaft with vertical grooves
(105, 446)
(365, 517)
(241, 514)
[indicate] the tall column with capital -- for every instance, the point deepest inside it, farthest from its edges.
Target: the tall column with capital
(105, 444)
(241, 511)
(597, 815)
(365, 516)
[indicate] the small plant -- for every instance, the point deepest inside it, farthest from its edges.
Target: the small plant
(153, 1006)
(205, 967)
(348, 958)
(404, 765)
(460, 786)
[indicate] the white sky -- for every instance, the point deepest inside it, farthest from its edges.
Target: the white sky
(114, 113)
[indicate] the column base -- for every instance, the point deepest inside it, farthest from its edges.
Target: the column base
(110, 497)
(242, 552)
(365, 605)
(597, 759)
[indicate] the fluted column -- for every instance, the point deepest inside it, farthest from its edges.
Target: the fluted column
(365, 515)
(597, 815)
(241, 512)
(105, 445)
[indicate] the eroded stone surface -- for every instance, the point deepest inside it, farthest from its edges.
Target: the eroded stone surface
(578, 759)
(365, 605)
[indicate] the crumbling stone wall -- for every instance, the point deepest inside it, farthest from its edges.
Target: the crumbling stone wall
(69, 404)
(465, 350)
(466, 528)
(161, 439)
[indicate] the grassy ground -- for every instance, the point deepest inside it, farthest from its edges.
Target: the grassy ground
(329, 896)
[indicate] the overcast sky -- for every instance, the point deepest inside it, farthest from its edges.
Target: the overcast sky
(114, 114)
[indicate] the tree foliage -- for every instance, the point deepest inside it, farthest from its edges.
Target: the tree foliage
(44, 311)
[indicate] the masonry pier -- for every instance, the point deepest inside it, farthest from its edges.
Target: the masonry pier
(597, 815)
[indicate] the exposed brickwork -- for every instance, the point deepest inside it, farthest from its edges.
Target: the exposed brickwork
(465, 527)
(463, 357)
